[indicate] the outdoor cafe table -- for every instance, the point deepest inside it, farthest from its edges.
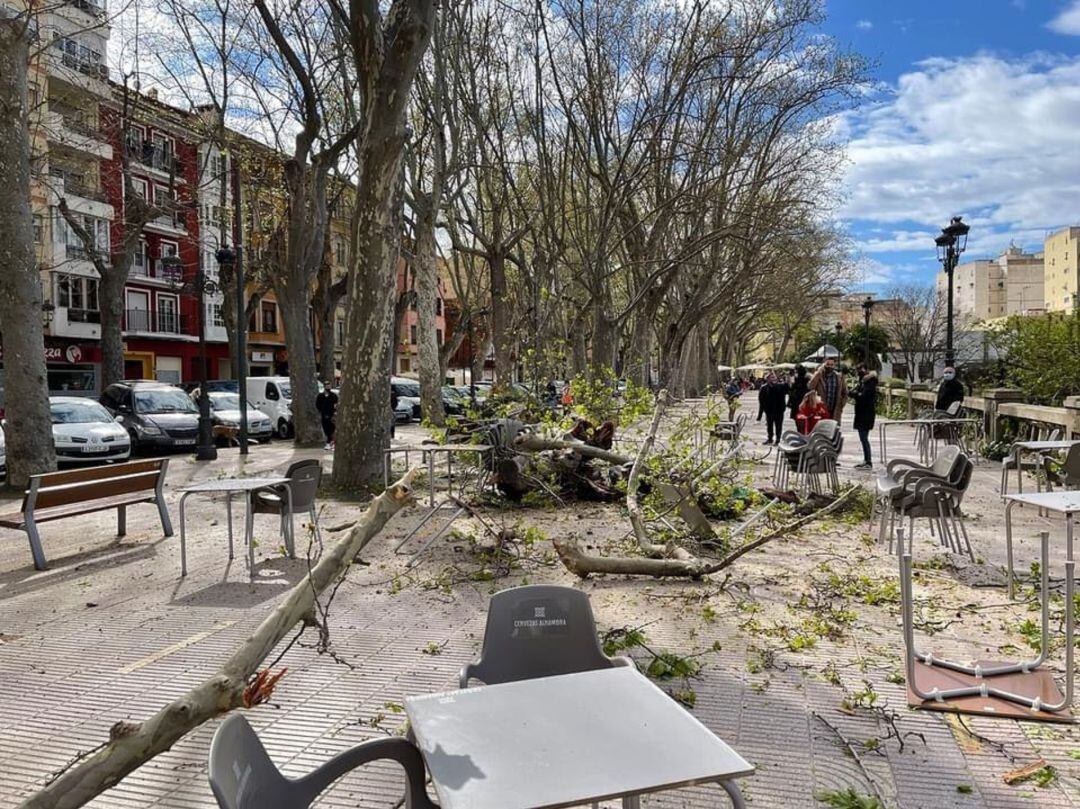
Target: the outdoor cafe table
(564, 741)
(1020, 447)
(922, 426)
(248, 487)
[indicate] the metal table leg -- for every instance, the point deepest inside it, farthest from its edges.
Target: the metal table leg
(228, 515)
(183, 536)
(249, 532)
(1009, 548)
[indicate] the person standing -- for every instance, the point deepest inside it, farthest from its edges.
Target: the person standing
(731, 395)
(865, 412)
(950, 391)
(799, 387)
(828, 383)
(326, 403)
(772, 402)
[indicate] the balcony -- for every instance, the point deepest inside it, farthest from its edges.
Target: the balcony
(78, 184)
(145, 268)
(95, 10)
(82, 324)
(150, 322)
(69, 128)
(173, 224)
(79, 66)
(152, 156)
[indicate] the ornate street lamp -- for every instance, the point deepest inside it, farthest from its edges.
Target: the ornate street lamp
(950, 244)
(48, 311)
(867, 305)
(228, 260)
(199, 286)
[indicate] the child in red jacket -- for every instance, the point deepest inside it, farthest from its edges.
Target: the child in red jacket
(811, 411)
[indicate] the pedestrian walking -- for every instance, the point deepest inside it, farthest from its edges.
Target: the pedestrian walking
(828, 383)
(772, 402)
(326, 403)
(865, 397)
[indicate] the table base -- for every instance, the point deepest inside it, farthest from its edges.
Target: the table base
(1039, 683)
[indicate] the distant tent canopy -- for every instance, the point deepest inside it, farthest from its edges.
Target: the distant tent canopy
(826, 352)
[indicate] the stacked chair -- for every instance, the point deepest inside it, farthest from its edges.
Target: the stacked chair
(809, 457)
(910, 490)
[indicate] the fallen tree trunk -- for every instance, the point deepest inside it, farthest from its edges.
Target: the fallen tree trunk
(132, 744)
(531, 442)
(582, 564)
(637, 520)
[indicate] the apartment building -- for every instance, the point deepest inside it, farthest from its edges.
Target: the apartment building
(987, 289)
(1062, 270)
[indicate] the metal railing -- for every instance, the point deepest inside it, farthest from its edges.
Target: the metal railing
(156, 322)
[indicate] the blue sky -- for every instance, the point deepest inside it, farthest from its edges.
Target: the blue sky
(975, 110)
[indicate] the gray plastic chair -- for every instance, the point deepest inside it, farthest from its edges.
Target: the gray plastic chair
(304, 479)
(539, 630)
(242, 776)
(1067, 474)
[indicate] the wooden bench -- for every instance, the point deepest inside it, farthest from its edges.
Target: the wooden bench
(56, 495)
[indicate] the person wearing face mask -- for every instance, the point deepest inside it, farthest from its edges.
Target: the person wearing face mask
(828, 384)
(950, 390)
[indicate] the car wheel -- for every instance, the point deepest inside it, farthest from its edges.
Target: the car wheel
(284, 429)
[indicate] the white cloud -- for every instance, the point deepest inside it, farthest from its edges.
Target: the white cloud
(864, 25)
(989, 138)
(1068, 20)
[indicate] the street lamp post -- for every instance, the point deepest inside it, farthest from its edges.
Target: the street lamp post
(867, 305)
(950, 244)
(226, 257)
(200, 285)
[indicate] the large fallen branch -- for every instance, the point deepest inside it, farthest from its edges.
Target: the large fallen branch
(582, 564)
(132, 744)
(637, 519)
(531, 442)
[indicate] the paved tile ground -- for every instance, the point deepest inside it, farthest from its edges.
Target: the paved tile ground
(111, 632)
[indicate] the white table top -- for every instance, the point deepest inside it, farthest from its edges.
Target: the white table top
(562, 741)
(1037, 445)
(1067, 502)
(234, 484)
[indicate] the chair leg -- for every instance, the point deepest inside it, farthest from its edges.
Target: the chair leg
(163, 513)
(121, 521)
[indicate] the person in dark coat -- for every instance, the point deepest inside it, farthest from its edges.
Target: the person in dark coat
(799, 386)
(326, 403)
(393, 410)
(951, 390)
(865, 397)
(772, 402)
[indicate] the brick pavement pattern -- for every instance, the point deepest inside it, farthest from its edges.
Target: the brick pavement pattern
(112, 632)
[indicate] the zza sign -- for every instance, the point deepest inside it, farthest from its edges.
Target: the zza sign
(73, 354)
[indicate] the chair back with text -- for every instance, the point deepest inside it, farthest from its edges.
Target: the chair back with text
(537, 631)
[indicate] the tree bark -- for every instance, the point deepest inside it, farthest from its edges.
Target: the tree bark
(426, 275)
(28, 430)
(531, 442)
(386, 72)
(131, 745)
(500, 320)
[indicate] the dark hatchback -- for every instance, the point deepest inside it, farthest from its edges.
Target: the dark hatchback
(156, 415)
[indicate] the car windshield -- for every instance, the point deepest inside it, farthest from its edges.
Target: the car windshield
(163, 400)
(78, 413)
(225, 401)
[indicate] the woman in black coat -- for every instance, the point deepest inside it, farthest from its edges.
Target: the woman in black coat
(799, 386)
(772, 399)
(865, 397)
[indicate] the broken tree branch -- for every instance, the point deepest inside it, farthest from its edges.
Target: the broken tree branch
(633, 481)
(531, 442)
(132, 744)
(581, 564)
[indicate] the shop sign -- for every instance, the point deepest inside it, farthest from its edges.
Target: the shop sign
(262, 356)
(73, 354)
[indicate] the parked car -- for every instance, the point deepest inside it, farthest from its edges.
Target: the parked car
(225, 412)
(155, 415)
(408, 391)
(273, 396)
(212, 385)
(454, 401)
(85, 432)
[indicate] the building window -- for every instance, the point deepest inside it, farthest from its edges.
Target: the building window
(438, 336)
(73, 243)
(79, 296)
(412, 334)
(404, 366)
(39, 229)
(269, 317)
(340, 252)
(214, 316)
(168, 314)
(438, 307)
(339, 331)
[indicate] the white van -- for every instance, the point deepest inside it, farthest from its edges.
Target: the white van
(273, 396)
